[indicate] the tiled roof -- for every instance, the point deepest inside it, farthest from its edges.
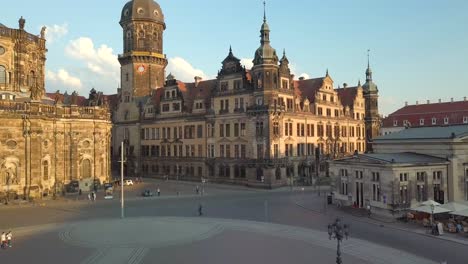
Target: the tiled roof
(455, 111)
(347, 96)
(441, 132)
(308, 88)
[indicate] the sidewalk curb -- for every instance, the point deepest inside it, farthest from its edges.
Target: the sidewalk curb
(359, 218)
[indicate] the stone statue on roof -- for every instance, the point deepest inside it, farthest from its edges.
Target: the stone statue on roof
(21, 23)
(43, 32)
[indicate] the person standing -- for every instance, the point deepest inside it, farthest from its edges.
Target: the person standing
(197, 190)
(3, 238)
(9, 236)
(200, 210)
(159, 192)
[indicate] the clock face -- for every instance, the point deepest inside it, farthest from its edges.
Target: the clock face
(2, 50)
(141, 69)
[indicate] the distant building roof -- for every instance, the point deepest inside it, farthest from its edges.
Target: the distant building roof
(394, 158)
(441, 132)
(412, 114)
(405, 157)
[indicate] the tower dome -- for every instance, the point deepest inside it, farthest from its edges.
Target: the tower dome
(147, 10)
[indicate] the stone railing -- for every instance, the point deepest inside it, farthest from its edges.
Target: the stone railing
(38, 109)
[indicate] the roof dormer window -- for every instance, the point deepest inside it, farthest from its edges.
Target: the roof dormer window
(395, 122)
(421, 122)
(446, 121)
(434, 121)
(465, 120)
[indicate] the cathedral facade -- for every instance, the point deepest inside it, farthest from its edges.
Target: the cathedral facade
(258, 127)
(46, 140)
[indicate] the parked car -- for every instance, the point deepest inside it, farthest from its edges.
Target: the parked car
(147, 193)
(128, 182)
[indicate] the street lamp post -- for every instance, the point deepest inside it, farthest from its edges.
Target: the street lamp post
(122, 160)
(432, 214)
(338, 231)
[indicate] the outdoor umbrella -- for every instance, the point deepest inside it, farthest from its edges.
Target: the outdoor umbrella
(461, 213)
(454, 207)
(430, 202)
(427, 209)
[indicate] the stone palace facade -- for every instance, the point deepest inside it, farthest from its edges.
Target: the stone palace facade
(257, 127)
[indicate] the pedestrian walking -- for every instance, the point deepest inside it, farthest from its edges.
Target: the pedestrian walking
(94, 196)
(79, 192)
(197, 190)
(89, 196)
(159, 192)
(368, 210)
(3, 238)
(200, 210)
(9, 236)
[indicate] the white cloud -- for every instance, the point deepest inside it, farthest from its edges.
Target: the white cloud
(247, 63)
(55, 32)
(101, 60)
(62, 77)
(183, 70)
(305, 75)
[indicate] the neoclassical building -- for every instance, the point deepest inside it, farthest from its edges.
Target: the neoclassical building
(258, 127)
(46, 140)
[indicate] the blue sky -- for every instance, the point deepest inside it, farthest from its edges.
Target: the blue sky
(419, 48)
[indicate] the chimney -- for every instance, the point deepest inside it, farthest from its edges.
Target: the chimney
(197, 80)
(406, 103)
(417, 102)
(345, 85)
(428, 101)
(464, 98)
(451, 99)
(440, 101)
(301, 78)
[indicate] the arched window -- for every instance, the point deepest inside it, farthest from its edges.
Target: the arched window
(3, 76)
(45, 169)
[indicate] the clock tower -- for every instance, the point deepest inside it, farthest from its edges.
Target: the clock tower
(143, 61)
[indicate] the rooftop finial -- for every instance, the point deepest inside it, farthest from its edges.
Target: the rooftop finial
(327, 73)
(264, 11)
(230, 49)
(368, 58)
(284, 52)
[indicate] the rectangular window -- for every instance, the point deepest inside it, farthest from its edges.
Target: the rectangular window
(236, 151)
(199, 131)
(236, 130)
(243, 152)
(242, 129)
(328, 112)
(421, 122)
(276, 150)
(446, 121)
(228, 130)
(221, 151)
(200, 150)
(221, 130)
(320, 111)
(395, 122)
(165, 108)
(228, 151)
(465, 120)
(259, 151)
(434, 121)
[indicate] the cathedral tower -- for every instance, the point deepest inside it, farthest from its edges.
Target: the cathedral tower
(372, 117)
(143, 61)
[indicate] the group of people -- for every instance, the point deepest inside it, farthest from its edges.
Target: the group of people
(6, 239)
(92, 196)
